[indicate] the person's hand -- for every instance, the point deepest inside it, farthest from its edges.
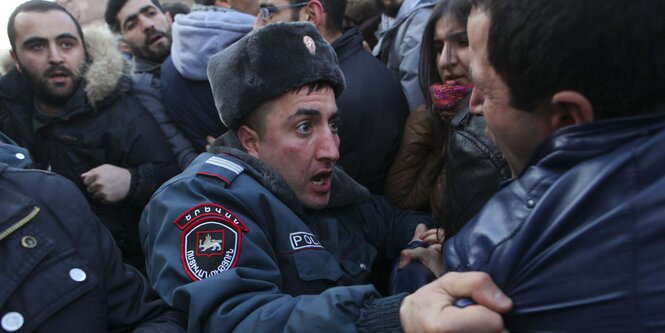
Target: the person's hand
(107, 183)
(431, 309)
(210, 140)
(429, 236)
(430, 255)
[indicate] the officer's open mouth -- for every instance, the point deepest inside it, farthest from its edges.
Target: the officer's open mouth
(320, 178)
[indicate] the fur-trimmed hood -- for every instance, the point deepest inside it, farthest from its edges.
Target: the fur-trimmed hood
(107, 72)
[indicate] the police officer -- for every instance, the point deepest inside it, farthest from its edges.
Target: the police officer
(61, 270)
(267, 235)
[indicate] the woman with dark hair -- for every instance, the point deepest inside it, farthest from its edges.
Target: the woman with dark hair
(446, 164)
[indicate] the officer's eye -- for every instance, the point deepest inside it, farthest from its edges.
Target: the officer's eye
(334, 125)
(304, 127)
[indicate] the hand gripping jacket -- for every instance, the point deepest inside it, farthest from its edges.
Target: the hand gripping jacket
(576, 240)
(228, 243)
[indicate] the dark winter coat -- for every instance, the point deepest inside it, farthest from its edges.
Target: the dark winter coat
(147, 89)
(61, 270)
(373, 111)
(189, 103)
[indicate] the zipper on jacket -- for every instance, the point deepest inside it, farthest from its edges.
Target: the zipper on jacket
(20, 223)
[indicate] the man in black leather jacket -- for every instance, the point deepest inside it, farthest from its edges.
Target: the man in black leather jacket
(579, 116)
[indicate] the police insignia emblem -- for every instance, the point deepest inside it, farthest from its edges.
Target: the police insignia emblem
(309, 43)
(211, 240)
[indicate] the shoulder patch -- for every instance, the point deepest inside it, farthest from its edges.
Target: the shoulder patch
(210, 240)
(221, 168)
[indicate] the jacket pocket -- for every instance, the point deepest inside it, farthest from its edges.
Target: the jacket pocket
(360, 261)
(47, 284)
(317, 265)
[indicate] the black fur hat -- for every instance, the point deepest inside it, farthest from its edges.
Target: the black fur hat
(267, 63)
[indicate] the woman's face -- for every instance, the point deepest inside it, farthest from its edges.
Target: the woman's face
(452, 51)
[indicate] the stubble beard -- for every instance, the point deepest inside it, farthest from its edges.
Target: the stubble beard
(53, 94)
(145, 52)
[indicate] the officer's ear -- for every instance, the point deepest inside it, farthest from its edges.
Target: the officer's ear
(249, 139)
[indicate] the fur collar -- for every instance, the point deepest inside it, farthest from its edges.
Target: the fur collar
(107, 73)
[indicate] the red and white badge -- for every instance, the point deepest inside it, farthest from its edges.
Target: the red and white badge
(210, 241)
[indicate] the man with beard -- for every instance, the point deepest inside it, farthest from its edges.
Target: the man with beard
(146, 30)
(144, 27)
(400, 32)
(70, 109)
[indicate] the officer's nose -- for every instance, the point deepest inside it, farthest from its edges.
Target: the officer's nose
(328, 145)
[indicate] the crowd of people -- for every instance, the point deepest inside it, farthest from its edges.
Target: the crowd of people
(292, 165)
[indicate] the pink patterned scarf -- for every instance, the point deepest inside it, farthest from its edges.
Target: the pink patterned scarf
(446, 96)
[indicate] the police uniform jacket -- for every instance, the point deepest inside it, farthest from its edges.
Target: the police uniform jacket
(576, 240)
(61, 270)
(228, 242)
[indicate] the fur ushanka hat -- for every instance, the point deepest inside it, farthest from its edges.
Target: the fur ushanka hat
(267, 63)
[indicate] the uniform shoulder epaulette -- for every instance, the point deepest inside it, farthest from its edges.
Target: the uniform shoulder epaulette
(221, 167)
